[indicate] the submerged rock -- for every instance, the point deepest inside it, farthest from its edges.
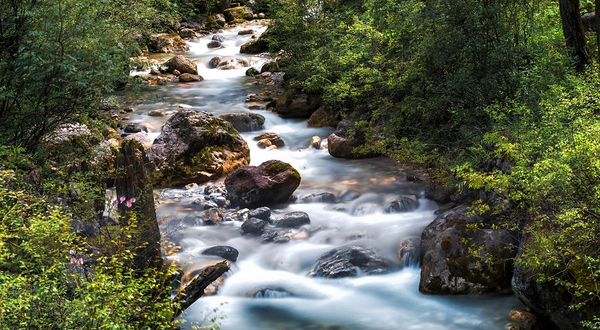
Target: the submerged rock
(269, 183)
(450, 267)
(409, 251)
(195, 147)
(244, 121)
(293, 220)
(324, 197)
(403, 203)
(350, 261)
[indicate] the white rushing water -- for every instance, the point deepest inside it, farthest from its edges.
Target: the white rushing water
(268, 287)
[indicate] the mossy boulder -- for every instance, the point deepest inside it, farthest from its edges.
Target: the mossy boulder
(271, 182)
(255, 46)
(244, 121)
(238, 13)
(297, 106)
(166, 43)
(323, 118)
(466, 254)
(195, 147)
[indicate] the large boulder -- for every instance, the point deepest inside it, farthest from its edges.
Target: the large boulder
(402, 203)
(347, 261)
(166, 43)
(195, 147)
(231, 63)
(238, 13)
(244, 121)
(181, 64)
(269, 183)
(255, 46)
(346, 137)
(466, 254)
(322, 118)
(545, 298)
(297, 106)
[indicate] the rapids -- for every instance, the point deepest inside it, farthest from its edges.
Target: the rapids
(268, 287)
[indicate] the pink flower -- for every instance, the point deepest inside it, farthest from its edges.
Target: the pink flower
(130, 202)
(121, 199)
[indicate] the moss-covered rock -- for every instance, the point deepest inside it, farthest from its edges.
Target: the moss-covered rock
(255, 46)
(466, 254)
(166, 43)
(195, 147)
(238, 13)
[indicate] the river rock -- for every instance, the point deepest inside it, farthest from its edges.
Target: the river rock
(263, 213)
(214, 44)
(181, 64)
(135, 128)
(293, 220)
(449, 266)
(156, 113)
(232, 63)
(545, 298)
(315, 142)
(166, 43)
(255, 46)
(214, 62)
(220, 19)
(528, 320)
(212, 215)
(252, 72)
(238, 13)
(269, 183)
(341, 143)
(188, 77)
(323, 197)
(223, 251)
(264, 144)
(297, 106)
(244, 121)
(272, 138)
(253, 226)
(187, 33)
(270, 66)
(409, 251)
(322, 118)
(142, 137)
(402, 203)
(195, 147)
(246, 32)
(347, 261)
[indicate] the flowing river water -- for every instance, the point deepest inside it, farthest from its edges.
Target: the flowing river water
(268, 286)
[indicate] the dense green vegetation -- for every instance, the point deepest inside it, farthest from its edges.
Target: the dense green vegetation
(455, 85)
(451, 85)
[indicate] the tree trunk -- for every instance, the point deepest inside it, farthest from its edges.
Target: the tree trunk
(597, 11)
(133, 182)
(573, 31)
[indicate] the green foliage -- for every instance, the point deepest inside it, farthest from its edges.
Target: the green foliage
(59, 57)
(52, 278)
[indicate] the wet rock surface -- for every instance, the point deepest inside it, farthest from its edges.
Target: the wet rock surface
(349, 261)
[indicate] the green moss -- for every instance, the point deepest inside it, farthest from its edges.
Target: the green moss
(447, 244)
